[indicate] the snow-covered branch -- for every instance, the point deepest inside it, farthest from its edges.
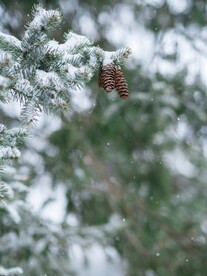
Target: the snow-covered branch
(44, 71)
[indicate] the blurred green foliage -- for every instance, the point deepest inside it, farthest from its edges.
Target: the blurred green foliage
(144, 159)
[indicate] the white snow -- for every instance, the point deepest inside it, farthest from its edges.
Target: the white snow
(8, 152)
(98, 263)
(107, 57)
(11, 271)
(73, 40)
(10, 39)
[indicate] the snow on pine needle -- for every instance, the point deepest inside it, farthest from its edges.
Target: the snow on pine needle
(41, 72)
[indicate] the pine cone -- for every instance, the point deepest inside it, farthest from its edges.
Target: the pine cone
(107, 77)
(121, 84)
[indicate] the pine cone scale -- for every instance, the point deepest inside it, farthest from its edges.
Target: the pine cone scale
(121, 84)
(107, 77)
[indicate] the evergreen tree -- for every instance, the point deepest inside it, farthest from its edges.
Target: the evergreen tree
(134, 172)
(40, 73)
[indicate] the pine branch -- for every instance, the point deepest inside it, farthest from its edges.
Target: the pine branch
(9, 140)
(3, 191)
(10, 43)
(41, 72)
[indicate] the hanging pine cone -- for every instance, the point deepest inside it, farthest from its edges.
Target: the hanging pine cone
(121, 84)
(107, 77)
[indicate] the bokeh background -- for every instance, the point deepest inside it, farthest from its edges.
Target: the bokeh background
(117, 186)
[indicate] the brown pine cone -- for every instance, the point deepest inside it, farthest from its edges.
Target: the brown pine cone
(107, 77)
(121, 84)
